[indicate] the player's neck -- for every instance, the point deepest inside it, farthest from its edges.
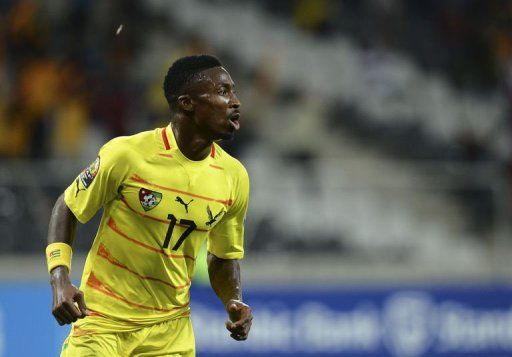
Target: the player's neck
(191, 143)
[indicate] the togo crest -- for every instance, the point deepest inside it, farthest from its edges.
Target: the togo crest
(149, 199)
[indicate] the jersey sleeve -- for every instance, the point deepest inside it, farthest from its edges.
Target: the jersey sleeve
(226, 239)
(99, 183)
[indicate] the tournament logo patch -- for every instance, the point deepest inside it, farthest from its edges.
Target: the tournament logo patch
(149, 199)
(87, 176)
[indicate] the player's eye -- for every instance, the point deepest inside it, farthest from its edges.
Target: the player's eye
(223, 91)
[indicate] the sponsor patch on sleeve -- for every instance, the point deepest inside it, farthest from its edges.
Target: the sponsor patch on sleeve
(87, 176)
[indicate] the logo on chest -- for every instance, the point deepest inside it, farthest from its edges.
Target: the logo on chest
(211, 218)
(149, 199)
(185, 204)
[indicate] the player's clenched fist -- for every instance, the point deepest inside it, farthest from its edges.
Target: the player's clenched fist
(65, 295)
(240, 319)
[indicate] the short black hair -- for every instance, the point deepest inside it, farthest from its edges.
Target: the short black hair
(183, 71)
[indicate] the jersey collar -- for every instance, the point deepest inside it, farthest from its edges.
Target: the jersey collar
(170, 144)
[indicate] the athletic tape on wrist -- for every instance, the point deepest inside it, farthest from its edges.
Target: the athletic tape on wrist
(58, 254)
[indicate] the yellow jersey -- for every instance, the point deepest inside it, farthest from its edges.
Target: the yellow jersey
(159, 207)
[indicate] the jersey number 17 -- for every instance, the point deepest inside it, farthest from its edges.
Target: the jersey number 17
(191, 225)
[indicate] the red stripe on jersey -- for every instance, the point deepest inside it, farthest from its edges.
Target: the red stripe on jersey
(167, 155)
(143, 215)
(97, 285)
(105, 254)
(77, 331)
(216, 167)
(116, 229)
(139, 179)
(212, 151)
(128, 322)
(96, 313)
(186, 313)
(165, 139)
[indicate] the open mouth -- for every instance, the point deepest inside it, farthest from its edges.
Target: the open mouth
(233, 120)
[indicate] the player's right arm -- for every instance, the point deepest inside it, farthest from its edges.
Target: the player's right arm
(62, 230)
(94, 187)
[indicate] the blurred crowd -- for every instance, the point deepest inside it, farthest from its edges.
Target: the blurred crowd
(66, 78)
(469, 42)
(65, 75)
(60, 74)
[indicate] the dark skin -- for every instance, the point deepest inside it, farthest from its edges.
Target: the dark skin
(207, 111)
(68, 302)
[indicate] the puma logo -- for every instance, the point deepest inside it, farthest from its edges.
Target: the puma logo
(211, 218)
(180, 200)
(78, 187)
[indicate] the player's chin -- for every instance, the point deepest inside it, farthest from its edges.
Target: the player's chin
(227, 136)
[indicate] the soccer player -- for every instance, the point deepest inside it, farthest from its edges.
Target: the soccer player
(163, 192)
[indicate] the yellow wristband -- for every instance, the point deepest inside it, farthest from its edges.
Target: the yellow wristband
(58, 254)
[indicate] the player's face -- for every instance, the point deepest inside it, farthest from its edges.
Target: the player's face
(217, 108)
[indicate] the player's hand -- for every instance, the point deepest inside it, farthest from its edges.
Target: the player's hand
(65, 295)
(240, 319)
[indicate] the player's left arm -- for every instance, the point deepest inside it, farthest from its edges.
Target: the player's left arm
(225, 249)
(225, 280)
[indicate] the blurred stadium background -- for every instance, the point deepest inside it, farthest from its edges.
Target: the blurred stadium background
(378, 138)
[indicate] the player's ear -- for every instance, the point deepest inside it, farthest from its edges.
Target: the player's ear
(185, 103)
